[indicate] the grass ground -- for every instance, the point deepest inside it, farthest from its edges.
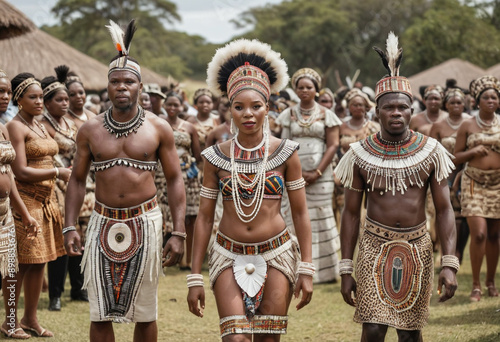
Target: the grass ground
(327, 318)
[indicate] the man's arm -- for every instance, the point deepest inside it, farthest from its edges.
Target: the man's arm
(75, 192)
(176, 192)
(445, 222)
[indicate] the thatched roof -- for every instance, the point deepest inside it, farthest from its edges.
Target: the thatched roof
(494, 70)
(25, 48)
(462, 71)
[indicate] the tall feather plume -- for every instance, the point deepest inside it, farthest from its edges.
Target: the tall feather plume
(392, 58)
(129, 34)
(62, 73)
(117, 36)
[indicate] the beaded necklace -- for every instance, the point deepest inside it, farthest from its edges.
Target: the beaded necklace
(453, 126)
(68, 133)
(395, 164)
(484, 125)
(257, 184)
(40, 126)
(314, 112)
(81, 117)
(123, 128)
(356, 128)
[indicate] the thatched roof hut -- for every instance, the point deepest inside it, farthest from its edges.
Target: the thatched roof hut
(494, 70)
(25, 48)
(462, 71)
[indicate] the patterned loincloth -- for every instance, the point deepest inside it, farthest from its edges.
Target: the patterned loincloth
(394, 273)
(280, 252)
(8, 246)
(122, 262)
(480, 193)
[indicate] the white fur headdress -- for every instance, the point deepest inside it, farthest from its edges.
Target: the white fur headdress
(246, 64)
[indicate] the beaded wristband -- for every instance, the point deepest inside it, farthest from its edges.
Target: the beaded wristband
(296, 184)
(354, 189)
(68, 229)
(346, 266)
(209, 193)
(319, 172)
(179, 234)
(194, 280)
(450, 261)
(306, 268)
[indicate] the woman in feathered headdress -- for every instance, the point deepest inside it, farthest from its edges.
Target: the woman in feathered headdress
(254, 263)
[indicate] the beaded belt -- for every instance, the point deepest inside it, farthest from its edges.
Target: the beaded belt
(125, 213)
(252, 248)
(390, 233)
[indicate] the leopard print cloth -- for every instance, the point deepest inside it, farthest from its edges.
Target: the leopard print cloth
(480, 193)
(394, 278)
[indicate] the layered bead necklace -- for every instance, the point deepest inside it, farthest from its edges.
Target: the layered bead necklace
(484, 125)
(453, 126)
(256, 185)
(123, 128)
(68, 132)
(313, 114)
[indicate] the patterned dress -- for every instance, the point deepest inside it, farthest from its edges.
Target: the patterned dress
(40, 199)
(325, 237)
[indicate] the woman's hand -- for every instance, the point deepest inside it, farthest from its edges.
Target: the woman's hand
(304, 284)
(31, 226)
(479, 151)
(310, 176)
(64, 174)
(196, 295)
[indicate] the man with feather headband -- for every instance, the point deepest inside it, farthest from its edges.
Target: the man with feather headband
(122, 259)
(394, 168)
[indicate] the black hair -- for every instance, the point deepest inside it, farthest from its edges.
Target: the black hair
(176, 95)
(62, 75)
(17, 80)
(72, 78)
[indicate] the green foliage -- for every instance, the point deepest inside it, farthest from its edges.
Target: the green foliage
(166, 52)
(448, 30)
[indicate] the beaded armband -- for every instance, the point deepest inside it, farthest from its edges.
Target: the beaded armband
(354, 189)
(68, 229)
(296, 184)
(194, 280)
(179, 234)
(209, 193)
(306, 268)
(346, 266)
(450, 261)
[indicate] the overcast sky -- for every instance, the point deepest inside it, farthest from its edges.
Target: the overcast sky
(207, 18)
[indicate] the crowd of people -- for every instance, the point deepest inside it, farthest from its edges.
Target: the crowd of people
(275, 183)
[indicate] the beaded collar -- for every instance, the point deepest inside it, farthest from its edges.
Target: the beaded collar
(397, 165)
(248, 160)
(135, 163)
(123, 128)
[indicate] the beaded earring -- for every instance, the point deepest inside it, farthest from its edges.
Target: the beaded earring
(266, 125)
(233, 129)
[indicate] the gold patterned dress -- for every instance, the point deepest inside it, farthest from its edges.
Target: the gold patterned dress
(40, 199)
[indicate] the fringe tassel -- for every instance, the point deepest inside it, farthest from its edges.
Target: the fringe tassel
(395, 172)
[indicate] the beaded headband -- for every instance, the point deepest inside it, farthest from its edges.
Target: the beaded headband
(248, 77)
(201, 92)
(3, 74)
(122, 41)
(391, 59)
(328, 92)
(454, 92)
(21, 88)
(433, 89)
(305, 72)
(52, 88)
(351, 94)
(478, 86)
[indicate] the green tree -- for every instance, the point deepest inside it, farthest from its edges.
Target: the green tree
(447, 30)
(164, 51)
(332, 35)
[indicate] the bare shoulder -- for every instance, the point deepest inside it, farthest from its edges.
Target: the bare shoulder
(191, 119)
(156, 121)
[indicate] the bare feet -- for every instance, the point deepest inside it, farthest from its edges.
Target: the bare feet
(475, 295)
(492, 291)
